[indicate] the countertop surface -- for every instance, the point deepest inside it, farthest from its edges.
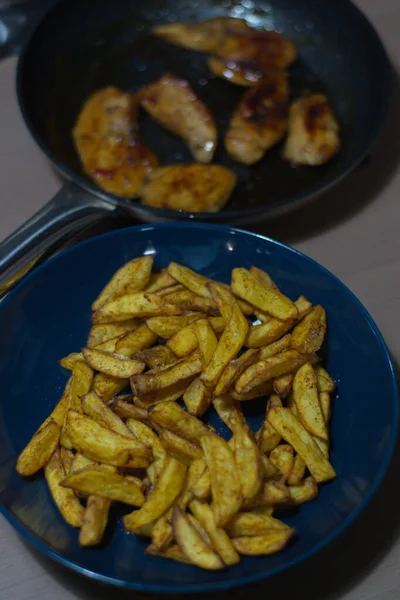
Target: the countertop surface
(354, 232)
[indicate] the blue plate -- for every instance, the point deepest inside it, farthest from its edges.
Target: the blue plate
(48, 316)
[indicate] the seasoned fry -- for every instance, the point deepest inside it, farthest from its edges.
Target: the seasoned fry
(39, 450)
(189, 301)
(102, 333)
(167, 394)
(202, 487)
(134, 305)
(298, 471)
(102, 445)
(131, 343)
(107, 386)
(179, 447)
(267, 438)
(126, 410)
(147, 436)
(276, 347)
(252, 523)
(263, 277)
(207, 340)
(185, 342)
(248, 461)
(219, 538)
(197, 398)
(67, 459)
(111, 364)
(163, 495)
(68, 362)
(234, 369)
(95, 408)
(159, 281)
(157, 356)
(305, 396)
(309, 334)
(193, 281)
(94, 521)
(132, 277)
(171, 416)
(159, 379)
(67, 503)
(273, 493)
(324, 381)
(166, 327)
(192, 544)
(283, 384)
(295, 434)
(173, 553)
(283, 458)
(268, 543)
(325, 403)
(304, 492)
(82, 378)
(260, 391)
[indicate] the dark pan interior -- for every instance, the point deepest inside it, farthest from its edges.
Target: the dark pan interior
(83, 45)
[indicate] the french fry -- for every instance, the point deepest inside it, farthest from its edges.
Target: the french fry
(297, 472)
(81, 462)
(159, 379)
(65, 499)
(95, 481)
(166, 327)
(260, 391)
(305, 396)
(112, 364)
(202, 487)
(82, 379)
(102, 333)
(168, 394)
(173, 553)
(229, 345)
(304, 492)
(219, 538)
(225, 483)
(159, 281)
(268, 543)
(324, 381)
(67, 459)
(193, 281)
(269, 299)
(207, 340)
(126, 410)
(68, 362)
(273, 493)
(185, 342)
(147, 436)
(106, 386)
(95, 408)
(103, 445)
(283, 458)
(188, 301)
(248, 461)
(234, 369)
(179, 447)
(197, 397)
(267, 437)
(157, 356)
(270, 470)
(131, 277)
(139, 339)
(308, 335)
(139, 305)
(275, 347)
(94, 521)
(192, 544)
(252, 523)
(224, 299)
(283, 384)
(199, 528)
(39, 450)
(171, 416)
(295, 434)
(164, 493)
(263, 277)
(325, 403)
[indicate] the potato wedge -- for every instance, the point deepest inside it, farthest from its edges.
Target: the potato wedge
(158, 356)
(324, 381)
(297, 472)
(82, 379)
(192, 544)
(202, 487)
(270, 470)
(131, 277)
(305, 396)
(159, 379)
(166, 327)
(248, 461)
(219, 538)
(159, 281)
(95, 408)
(275, 347)
(229, 345)
(65, 499)
(295, 434)
(268, 543)
(112, 364)
(100, 444)
(197, 398)
(263, 277)
(137, 305)
(94, 521)
(325, 403)
(207, 340)
(260, 391)
(224, 299)
(283, 384)
(106, 386)
(168, 394)
(68, 362)
(234, 369)
(225, 483)
(188, 301)
(193, 281)
(252, 523)
(273, 493)
(59, 412)
(81, 462)
(304, 492)
(309, 334)
(164, 493)
(267, 437)
(171, 416)
(95, 481)
(179, 447)
(102, 333)
(147, 436)
(199, 528)
(172, 552)
(39, 450)
(139, 339)
(126, 410)
(67, 458)
(185, 342)
(283, 458)
(269, 299)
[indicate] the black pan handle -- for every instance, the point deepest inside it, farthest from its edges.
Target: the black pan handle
(69, 212)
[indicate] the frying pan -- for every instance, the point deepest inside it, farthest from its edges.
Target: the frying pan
(82, 45)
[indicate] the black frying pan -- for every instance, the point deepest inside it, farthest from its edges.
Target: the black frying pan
(83, 45)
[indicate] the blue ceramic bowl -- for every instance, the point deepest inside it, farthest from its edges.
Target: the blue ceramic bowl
(48, 316)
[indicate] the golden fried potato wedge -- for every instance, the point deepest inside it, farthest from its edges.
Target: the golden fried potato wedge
(199, 528)
(260, 391)
(207, 340)
(266, 298)
(202, 487)
(193, 281)
(305, 396)
(248, 461)
(67, 458)
(172, 552)
(137, 305)
(283, 384)
(263, 277)
(95, 481)
(270, 470)
(159, 379)
(39, 450)
(234, 369)
(276, 347)
(304, 492)
(147, 436)
(189, 301)
(324, 381)
(185, 342)
(297, 472)
(103, 445)
(171, 416)
(135, 341)
(166, 327)
(267, 437)
(102, 333)
(131, 277)
(230, 412)
(164, 493)
(273, 493)
(309, 334)
(107, 386)
(68, 362)
(283, 458)
(112, 364)
(168, 394)
(219, 538)
(127, 410)
(159, 281)
(179, 447)
(94, 521)
(95, 408)
(225, 483)
(268, 543)
(325, 403)
(158, 356)
(295, 434)
(197, 397)
(252, 523)
(229, 345)
(81, 462)
(65, 499)
(82, 379)
(192, 544)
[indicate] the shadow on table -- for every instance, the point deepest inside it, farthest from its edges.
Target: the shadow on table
(353, 194)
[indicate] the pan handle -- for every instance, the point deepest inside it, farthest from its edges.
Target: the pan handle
(70, 211)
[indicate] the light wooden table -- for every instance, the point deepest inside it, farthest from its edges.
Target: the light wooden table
(354, 232)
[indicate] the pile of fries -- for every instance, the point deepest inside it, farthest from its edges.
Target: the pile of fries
(178, 335)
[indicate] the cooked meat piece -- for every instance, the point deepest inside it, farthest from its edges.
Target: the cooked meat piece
(205, 36)
(313, 132)
(107, 139)
(260, 120)
(192, 188)
(245, 58)
(172, 102)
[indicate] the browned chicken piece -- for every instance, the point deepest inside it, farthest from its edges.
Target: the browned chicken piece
(108, 142)
(260, 120)
(313, 132)
(192, 188)
(172, 102)
(205, 36)
(245, 58)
